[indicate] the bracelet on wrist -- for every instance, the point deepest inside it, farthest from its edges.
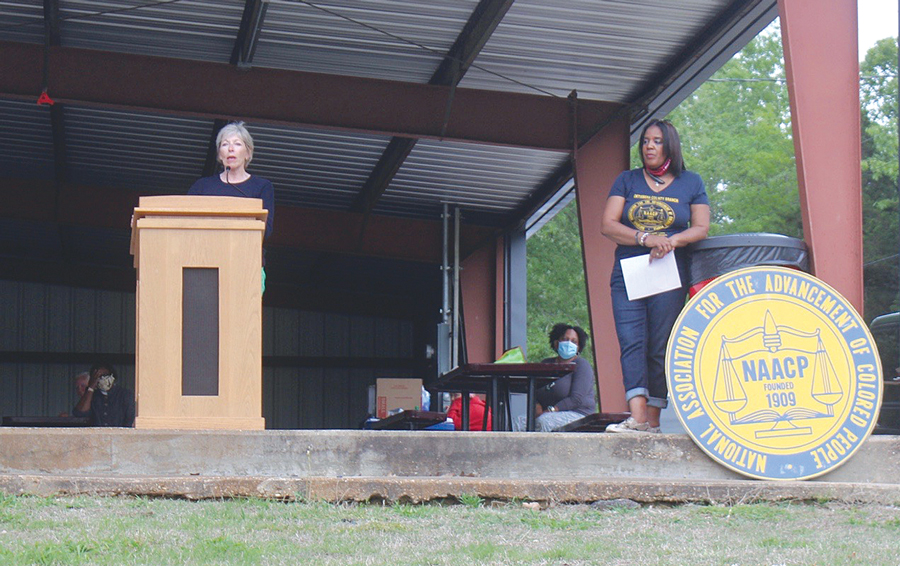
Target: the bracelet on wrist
(637, 237)
(644, 239)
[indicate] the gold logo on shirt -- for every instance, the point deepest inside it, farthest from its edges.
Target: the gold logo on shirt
(651, 215)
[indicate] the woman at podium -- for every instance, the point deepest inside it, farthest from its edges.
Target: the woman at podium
(235, 151)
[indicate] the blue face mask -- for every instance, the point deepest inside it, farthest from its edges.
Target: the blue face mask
(567, 350)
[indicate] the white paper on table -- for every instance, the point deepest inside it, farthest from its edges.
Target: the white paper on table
(644, 278)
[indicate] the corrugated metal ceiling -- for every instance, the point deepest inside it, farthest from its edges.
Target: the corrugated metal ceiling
(606, 49)
(375, 38)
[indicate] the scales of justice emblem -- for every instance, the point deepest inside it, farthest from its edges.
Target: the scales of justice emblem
(769, 353)
(774, 374)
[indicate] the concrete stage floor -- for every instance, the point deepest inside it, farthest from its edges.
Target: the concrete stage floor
(345, 465)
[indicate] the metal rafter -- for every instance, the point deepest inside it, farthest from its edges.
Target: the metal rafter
(474, 35)
(179, 86)
(248, 34)
(308, 229)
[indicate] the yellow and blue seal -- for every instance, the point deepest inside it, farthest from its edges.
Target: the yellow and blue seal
(774, 374)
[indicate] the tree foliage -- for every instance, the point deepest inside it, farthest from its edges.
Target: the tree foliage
(878, 98)
(736, 134)
(556, 289)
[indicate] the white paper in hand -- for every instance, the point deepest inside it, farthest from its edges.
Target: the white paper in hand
(644, 278)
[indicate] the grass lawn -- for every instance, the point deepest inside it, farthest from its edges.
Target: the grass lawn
(122, 531)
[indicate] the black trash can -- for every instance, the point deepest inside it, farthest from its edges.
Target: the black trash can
(719, 255)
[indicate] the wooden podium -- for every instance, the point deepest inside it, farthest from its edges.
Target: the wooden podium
(199, 312)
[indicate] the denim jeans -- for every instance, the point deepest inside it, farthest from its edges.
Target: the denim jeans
(643, 327)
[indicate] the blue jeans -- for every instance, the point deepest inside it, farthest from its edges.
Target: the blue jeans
(643, 327)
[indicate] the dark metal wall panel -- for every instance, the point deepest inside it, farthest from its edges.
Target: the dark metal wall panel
(37, 317)
(362, 336)
(310, 327)
(313, 385)
(9, 315)
(336, 333)
(59, 322)
(84, 314)
(34, 318)
(32, 387)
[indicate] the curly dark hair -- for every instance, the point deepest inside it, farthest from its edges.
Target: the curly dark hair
(559, 330)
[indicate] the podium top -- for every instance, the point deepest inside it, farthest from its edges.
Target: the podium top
(199, 202)
(197, 206)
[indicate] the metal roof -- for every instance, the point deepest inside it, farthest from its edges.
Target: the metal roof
(604, 49)
(645, 55)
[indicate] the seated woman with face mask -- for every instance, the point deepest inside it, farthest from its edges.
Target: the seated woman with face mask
(570, 397)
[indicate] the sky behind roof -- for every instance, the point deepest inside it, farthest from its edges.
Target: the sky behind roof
(877, 20)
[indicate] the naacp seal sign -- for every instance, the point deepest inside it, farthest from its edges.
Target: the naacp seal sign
(773, 374)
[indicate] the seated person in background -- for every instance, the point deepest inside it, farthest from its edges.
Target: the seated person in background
(80, 382)
(105, 402)
(476, 412)
(574, 395)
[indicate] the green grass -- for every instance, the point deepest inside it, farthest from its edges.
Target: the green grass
(139, 531)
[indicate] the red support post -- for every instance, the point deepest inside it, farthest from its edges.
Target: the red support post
(822, 66)
(597, 164)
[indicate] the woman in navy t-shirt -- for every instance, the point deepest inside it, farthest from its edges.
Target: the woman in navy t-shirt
(658, 208)
(235, 151)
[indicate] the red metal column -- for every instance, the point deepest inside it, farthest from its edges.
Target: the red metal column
(597, 164)
(822, 65)
(479, 279)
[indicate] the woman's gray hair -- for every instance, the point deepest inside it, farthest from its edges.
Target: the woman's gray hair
(238, 129)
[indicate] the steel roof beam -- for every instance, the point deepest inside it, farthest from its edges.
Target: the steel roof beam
(51, 21)
(51, 39)
(248, 34)
(307, 229)
(180, 86)
(478, 29)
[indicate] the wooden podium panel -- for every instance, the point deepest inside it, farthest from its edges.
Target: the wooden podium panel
(194, 254)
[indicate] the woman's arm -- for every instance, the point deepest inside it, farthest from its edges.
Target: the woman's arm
(612, 226)
(698, 230)
(580, 389)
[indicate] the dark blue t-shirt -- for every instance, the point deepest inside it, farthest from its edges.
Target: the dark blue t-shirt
(254, 187)
(665, 212)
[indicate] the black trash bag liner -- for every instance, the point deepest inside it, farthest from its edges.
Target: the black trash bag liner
(719, 255)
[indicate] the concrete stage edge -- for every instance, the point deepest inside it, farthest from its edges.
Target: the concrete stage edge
(341, 465)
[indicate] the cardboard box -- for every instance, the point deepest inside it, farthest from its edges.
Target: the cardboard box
(397, 393)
